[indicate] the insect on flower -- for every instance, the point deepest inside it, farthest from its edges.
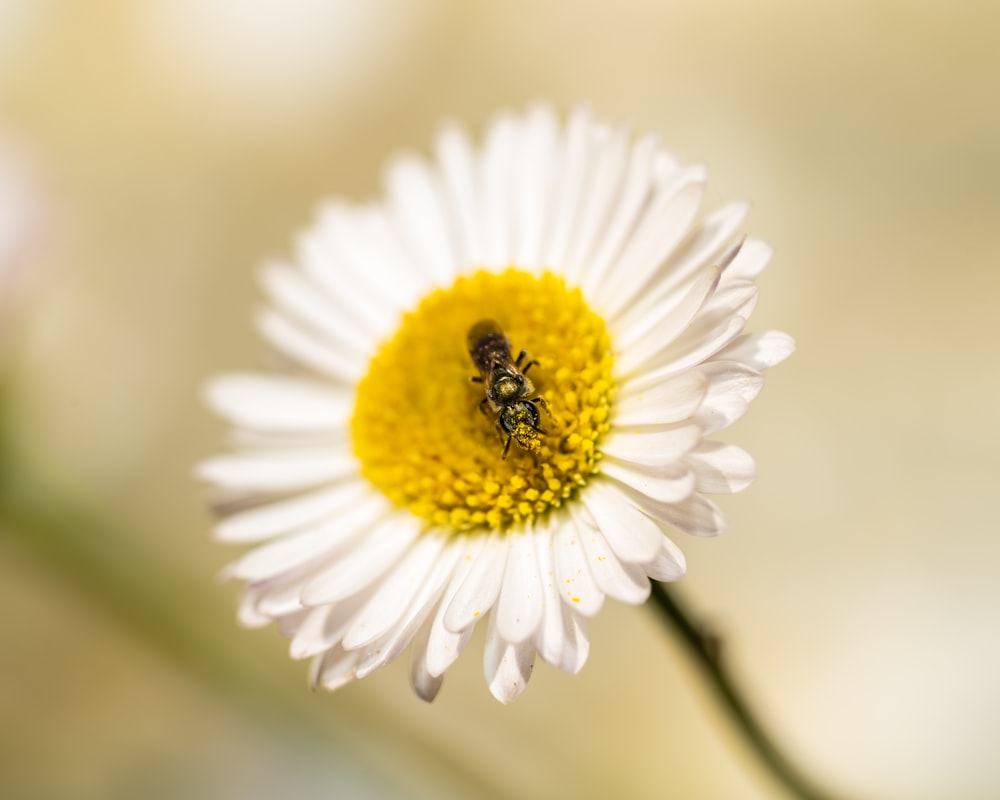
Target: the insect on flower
(378, 526)
(508, 389)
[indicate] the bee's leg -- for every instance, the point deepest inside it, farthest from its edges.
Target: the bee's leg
(503, 433)
(476, 379)
(482, 406)
(520, 357)
(541, 401)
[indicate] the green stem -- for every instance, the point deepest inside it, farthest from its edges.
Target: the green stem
(705, 646)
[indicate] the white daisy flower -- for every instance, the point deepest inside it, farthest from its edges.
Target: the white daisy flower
(371, 474)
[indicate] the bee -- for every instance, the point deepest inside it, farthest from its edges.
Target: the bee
(508, 389)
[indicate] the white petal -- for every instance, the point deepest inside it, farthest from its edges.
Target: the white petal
(638, 181)
(734, 298)
(722, 468)
(573, 176)
(759, 351)
(307, 641)
(304, 347)
(356, 246)
(717, 324)
(731, 388)
(575, 581)
(279, 596)
(325, 627)
(283, 516)
(444, 646)
(702, 247)
(337, 668)
(663, 226)
(667, 484)
(277, 471)
(248, 615)
(448, 646)
(674, 400)
(425, 685)
(390, 645)
(373, 251)
(534, 185)
(365, 563)
(659, 330)
(664, 320)
(481, 587)
(277, 403)
(669, 563)
(416, 200)
(498, 165)
(558, 639)
(609, 161)
(519, 607)
(246, 439)
(666, 169)
(692, 348)
(322, 540)
(631, 534)
(576, 642)
(507, 666)
(625, 582)
(697, 515)
(289, 623)
(653, 448)
(294, 293)
(316, 671)
(389, 602)
(318, 253)
(549, 637)
(272, 598)
(458, 171)
(750, 261)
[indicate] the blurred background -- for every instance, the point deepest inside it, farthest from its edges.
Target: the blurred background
(159, 150)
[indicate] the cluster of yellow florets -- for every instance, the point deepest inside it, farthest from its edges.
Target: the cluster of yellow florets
(418, 426)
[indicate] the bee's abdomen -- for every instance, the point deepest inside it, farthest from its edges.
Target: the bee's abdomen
(488, 344)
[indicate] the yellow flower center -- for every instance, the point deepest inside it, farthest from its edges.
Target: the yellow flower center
(427, 440)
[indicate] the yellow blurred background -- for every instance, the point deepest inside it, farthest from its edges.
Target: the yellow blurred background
(177, 144)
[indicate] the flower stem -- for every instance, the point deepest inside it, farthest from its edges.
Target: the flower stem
(706, 648)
